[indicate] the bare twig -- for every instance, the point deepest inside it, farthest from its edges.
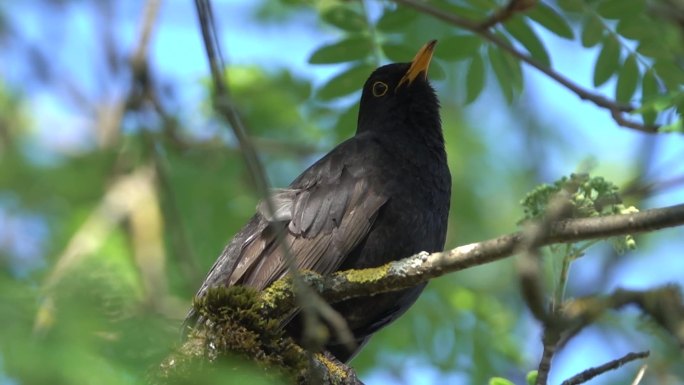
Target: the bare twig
(590, 373)
(640, 374)
(550, 342)
(530, 277)
(505, 13)
(311, 307)
(529, 270)
(616, 109)
(146, 27)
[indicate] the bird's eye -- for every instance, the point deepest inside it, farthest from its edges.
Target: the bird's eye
(379, 89)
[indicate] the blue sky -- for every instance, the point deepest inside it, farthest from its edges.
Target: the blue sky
(178, 54)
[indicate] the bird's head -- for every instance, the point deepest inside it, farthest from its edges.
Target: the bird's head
(399, 95)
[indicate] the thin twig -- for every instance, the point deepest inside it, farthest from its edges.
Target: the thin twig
(640, 374)
(616, 109)
(528, 264)
(311, 307)
(590, 373)
(550, 342)
(501, 15)
(530, 277)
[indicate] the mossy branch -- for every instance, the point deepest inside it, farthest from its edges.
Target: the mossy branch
(422, 267)
(247, 322)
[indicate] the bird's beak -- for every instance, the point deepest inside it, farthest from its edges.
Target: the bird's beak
(419, 64)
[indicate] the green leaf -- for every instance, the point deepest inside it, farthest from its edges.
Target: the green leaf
(618, 9)
(345, 83)
(592, 31)
(500, 381)
(571, 5)
(676, 126)
(607, 62)
(507, 71)
(458, 47)
(634, 28)
(436, 71)
(649, 89)
(345, 19)
(351, 49)
(475, 79)
(548, 18)
(397, 20)
(653, 47)
(522, 32)
(649, 85)
(531, 377)
(398, 52)
(485, 5)
(346, 123)
(628, 77)
(658, 103)
(670, 72)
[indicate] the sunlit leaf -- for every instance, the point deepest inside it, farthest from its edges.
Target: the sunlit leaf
(676, 126)
(458, 47)
(607, 62)
(548, 18)
(659, 103)
(345, 83)
(350, 49)
(628, 78)
(344, 18)
(592, 31)
(475, 78)
(500, 381)
(522, 32)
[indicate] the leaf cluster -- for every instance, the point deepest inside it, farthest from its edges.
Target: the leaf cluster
(587, 196)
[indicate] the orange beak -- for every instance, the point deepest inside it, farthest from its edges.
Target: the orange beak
(420, 63)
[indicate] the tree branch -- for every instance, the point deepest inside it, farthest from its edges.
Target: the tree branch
(277, 302)
(422, 267)
(616, 109)
(504, 13)
(590, 373)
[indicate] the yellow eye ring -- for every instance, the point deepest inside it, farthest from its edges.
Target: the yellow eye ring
(379, 89)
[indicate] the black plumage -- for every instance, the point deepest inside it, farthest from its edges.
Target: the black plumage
(380, 196)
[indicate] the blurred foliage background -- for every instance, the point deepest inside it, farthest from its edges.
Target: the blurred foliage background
(119, 187)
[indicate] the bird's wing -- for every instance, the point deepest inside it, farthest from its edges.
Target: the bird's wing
(323, 215)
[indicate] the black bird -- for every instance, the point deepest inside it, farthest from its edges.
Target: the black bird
(380, 196)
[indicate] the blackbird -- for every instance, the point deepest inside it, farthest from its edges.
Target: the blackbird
(379, 196)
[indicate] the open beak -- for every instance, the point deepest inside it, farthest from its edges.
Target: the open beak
(419, 64)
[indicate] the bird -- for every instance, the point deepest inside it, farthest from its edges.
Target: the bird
(382, 195)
